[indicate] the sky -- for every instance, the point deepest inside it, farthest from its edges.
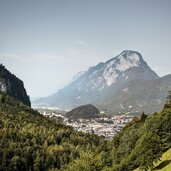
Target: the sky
(46, 42)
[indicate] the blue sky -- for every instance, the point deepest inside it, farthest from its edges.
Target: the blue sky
(46, 42)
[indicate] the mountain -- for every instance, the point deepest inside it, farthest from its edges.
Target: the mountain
(84, 111)
(112, 85)
(13, 86)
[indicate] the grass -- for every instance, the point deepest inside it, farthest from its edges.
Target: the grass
(164, 164)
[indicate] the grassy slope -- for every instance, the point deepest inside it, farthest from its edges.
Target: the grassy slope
(164, 164)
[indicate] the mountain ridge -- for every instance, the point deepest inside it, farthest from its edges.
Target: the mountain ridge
(13, 86)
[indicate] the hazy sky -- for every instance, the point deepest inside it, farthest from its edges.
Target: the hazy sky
(46, 42)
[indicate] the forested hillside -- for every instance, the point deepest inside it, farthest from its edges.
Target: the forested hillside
(164, 164)
(29, 141)
(85, 111)
(142, 142)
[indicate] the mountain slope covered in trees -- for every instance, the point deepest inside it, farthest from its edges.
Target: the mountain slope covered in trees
(29, 141)
(84, 111)
(164, 164)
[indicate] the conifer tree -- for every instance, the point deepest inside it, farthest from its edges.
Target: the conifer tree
(168, 102)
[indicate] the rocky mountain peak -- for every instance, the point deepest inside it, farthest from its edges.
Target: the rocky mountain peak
(125, 60)
(126, 66)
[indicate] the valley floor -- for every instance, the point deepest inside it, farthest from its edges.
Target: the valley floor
(106, 127)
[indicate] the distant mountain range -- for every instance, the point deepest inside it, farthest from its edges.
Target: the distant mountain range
(124, 83)
(13, 86)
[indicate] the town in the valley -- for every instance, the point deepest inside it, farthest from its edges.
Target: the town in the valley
(106, 126)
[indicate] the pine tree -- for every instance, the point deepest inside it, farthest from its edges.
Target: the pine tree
(168, 102)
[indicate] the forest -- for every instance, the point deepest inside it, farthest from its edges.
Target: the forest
(30, 141)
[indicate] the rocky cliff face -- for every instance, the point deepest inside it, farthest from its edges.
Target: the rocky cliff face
(13, 86)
